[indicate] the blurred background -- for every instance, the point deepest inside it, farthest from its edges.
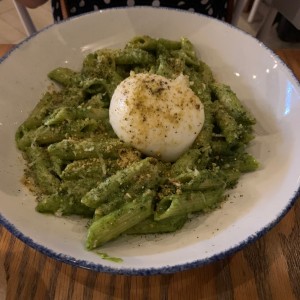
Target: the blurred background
(280, 33)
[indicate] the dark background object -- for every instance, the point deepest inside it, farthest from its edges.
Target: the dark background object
(286, 31)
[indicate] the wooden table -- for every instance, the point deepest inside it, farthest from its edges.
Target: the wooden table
(266, 269)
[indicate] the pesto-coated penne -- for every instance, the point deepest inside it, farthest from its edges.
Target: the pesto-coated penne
(64, 76)
(74, 149)
(63, 114)
(231, 103)
(150, 226)
(169, 67)
(141, 175)
(41, 110)
(45, 135)
(89, 168)
(168, 44)
(199, 180)
(134, 56)
(112, 225)
(41, 170)
(185, 162)
(48, 103)
(244, 162)
(188, 48)
(143, 42)
(78, 188)
(124, 193)
(187, 202)
(60, 204)
(99, 64)
(230, 176)
(230, 129)
(204, 138)
(67, 200)
(95, 86)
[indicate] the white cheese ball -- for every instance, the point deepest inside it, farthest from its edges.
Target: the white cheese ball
(158, 116)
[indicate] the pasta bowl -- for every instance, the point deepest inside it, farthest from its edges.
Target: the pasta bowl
(260, 79)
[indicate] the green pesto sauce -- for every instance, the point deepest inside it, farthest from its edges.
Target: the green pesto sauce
(110, 258)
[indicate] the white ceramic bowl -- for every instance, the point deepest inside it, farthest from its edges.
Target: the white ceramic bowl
(263, 83)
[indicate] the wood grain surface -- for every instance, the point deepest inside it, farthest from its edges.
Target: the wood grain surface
(268, 268)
